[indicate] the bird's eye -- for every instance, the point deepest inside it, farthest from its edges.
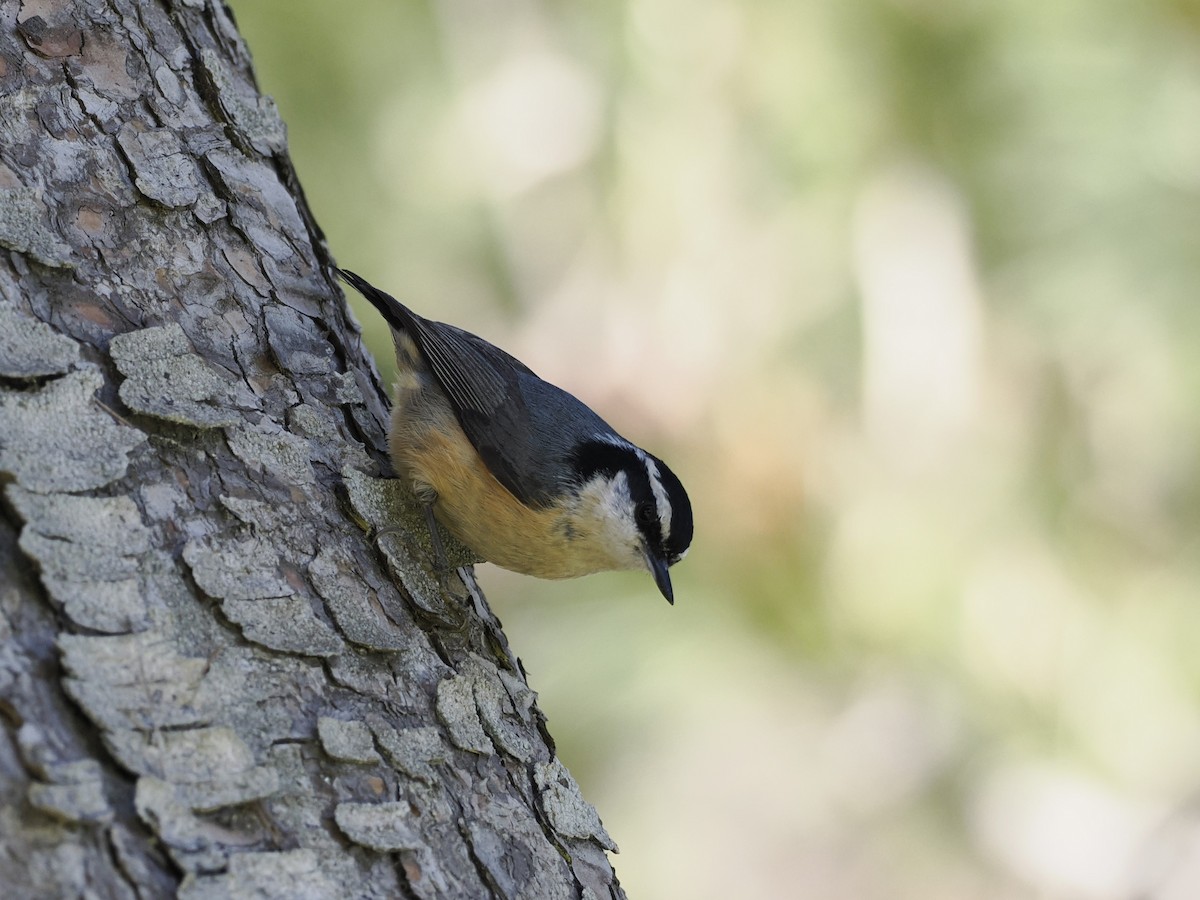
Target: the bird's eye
(645, 514)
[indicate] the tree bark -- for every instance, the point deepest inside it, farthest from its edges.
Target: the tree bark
(217, 676)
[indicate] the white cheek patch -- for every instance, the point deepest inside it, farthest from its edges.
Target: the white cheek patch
(606, 508)
(614, 506)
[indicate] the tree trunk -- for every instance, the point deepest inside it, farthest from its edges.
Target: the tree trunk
(217, 677)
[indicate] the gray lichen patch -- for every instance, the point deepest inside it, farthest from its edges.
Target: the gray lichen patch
(25, 226)
(364, 675)
(76, 771)
(163, 167)
(112, 523)
(388, 504)
(274, 690)
(347, 389)
(416, 580)
(457, 710)
(138, 682)
(97, 588)
(477, 709)
(348, 741)
(111, 607)
(380, 502)
(411, 750)
(287, 624)
(193, 755)
(80, 802)
(323, 428)
(89, 551)
(295, 809)
(166, 378)
(32, 349)
(74, 791)
(284, 455)
(164, 500)
(380, 826)
(388, 508)
(496, 711)
(234, 569)
(207, 768)
(193, 843)
(349, 601)
(231, 789)
(70, 561)
(58, 438)
(563, 803)
(255, 117)
(295, 874)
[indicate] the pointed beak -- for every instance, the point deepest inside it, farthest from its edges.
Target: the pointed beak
(658, 568)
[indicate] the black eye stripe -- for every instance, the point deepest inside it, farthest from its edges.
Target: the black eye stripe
(600, 457)
(597, 457)
(643, 496)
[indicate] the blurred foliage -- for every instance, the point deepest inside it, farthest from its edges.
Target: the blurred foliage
(906, 292)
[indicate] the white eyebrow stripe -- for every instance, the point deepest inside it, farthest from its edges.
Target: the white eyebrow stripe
(661, 500)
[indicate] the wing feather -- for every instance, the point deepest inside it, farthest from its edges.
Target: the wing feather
(484, 387)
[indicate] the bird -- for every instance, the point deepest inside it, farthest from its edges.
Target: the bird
(520, 471)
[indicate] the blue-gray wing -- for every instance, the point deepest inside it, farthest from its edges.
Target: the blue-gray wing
(490, 392)
(484, 385)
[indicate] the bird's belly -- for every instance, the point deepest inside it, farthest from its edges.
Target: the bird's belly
(430, 450)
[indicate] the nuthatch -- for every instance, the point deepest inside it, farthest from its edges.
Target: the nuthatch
(520, 471)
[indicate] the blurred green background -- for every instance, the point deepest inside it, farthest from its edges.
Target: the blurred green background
(905, 290)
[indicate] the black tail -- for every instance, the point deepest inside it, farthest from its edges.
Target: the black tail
(393, 311)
